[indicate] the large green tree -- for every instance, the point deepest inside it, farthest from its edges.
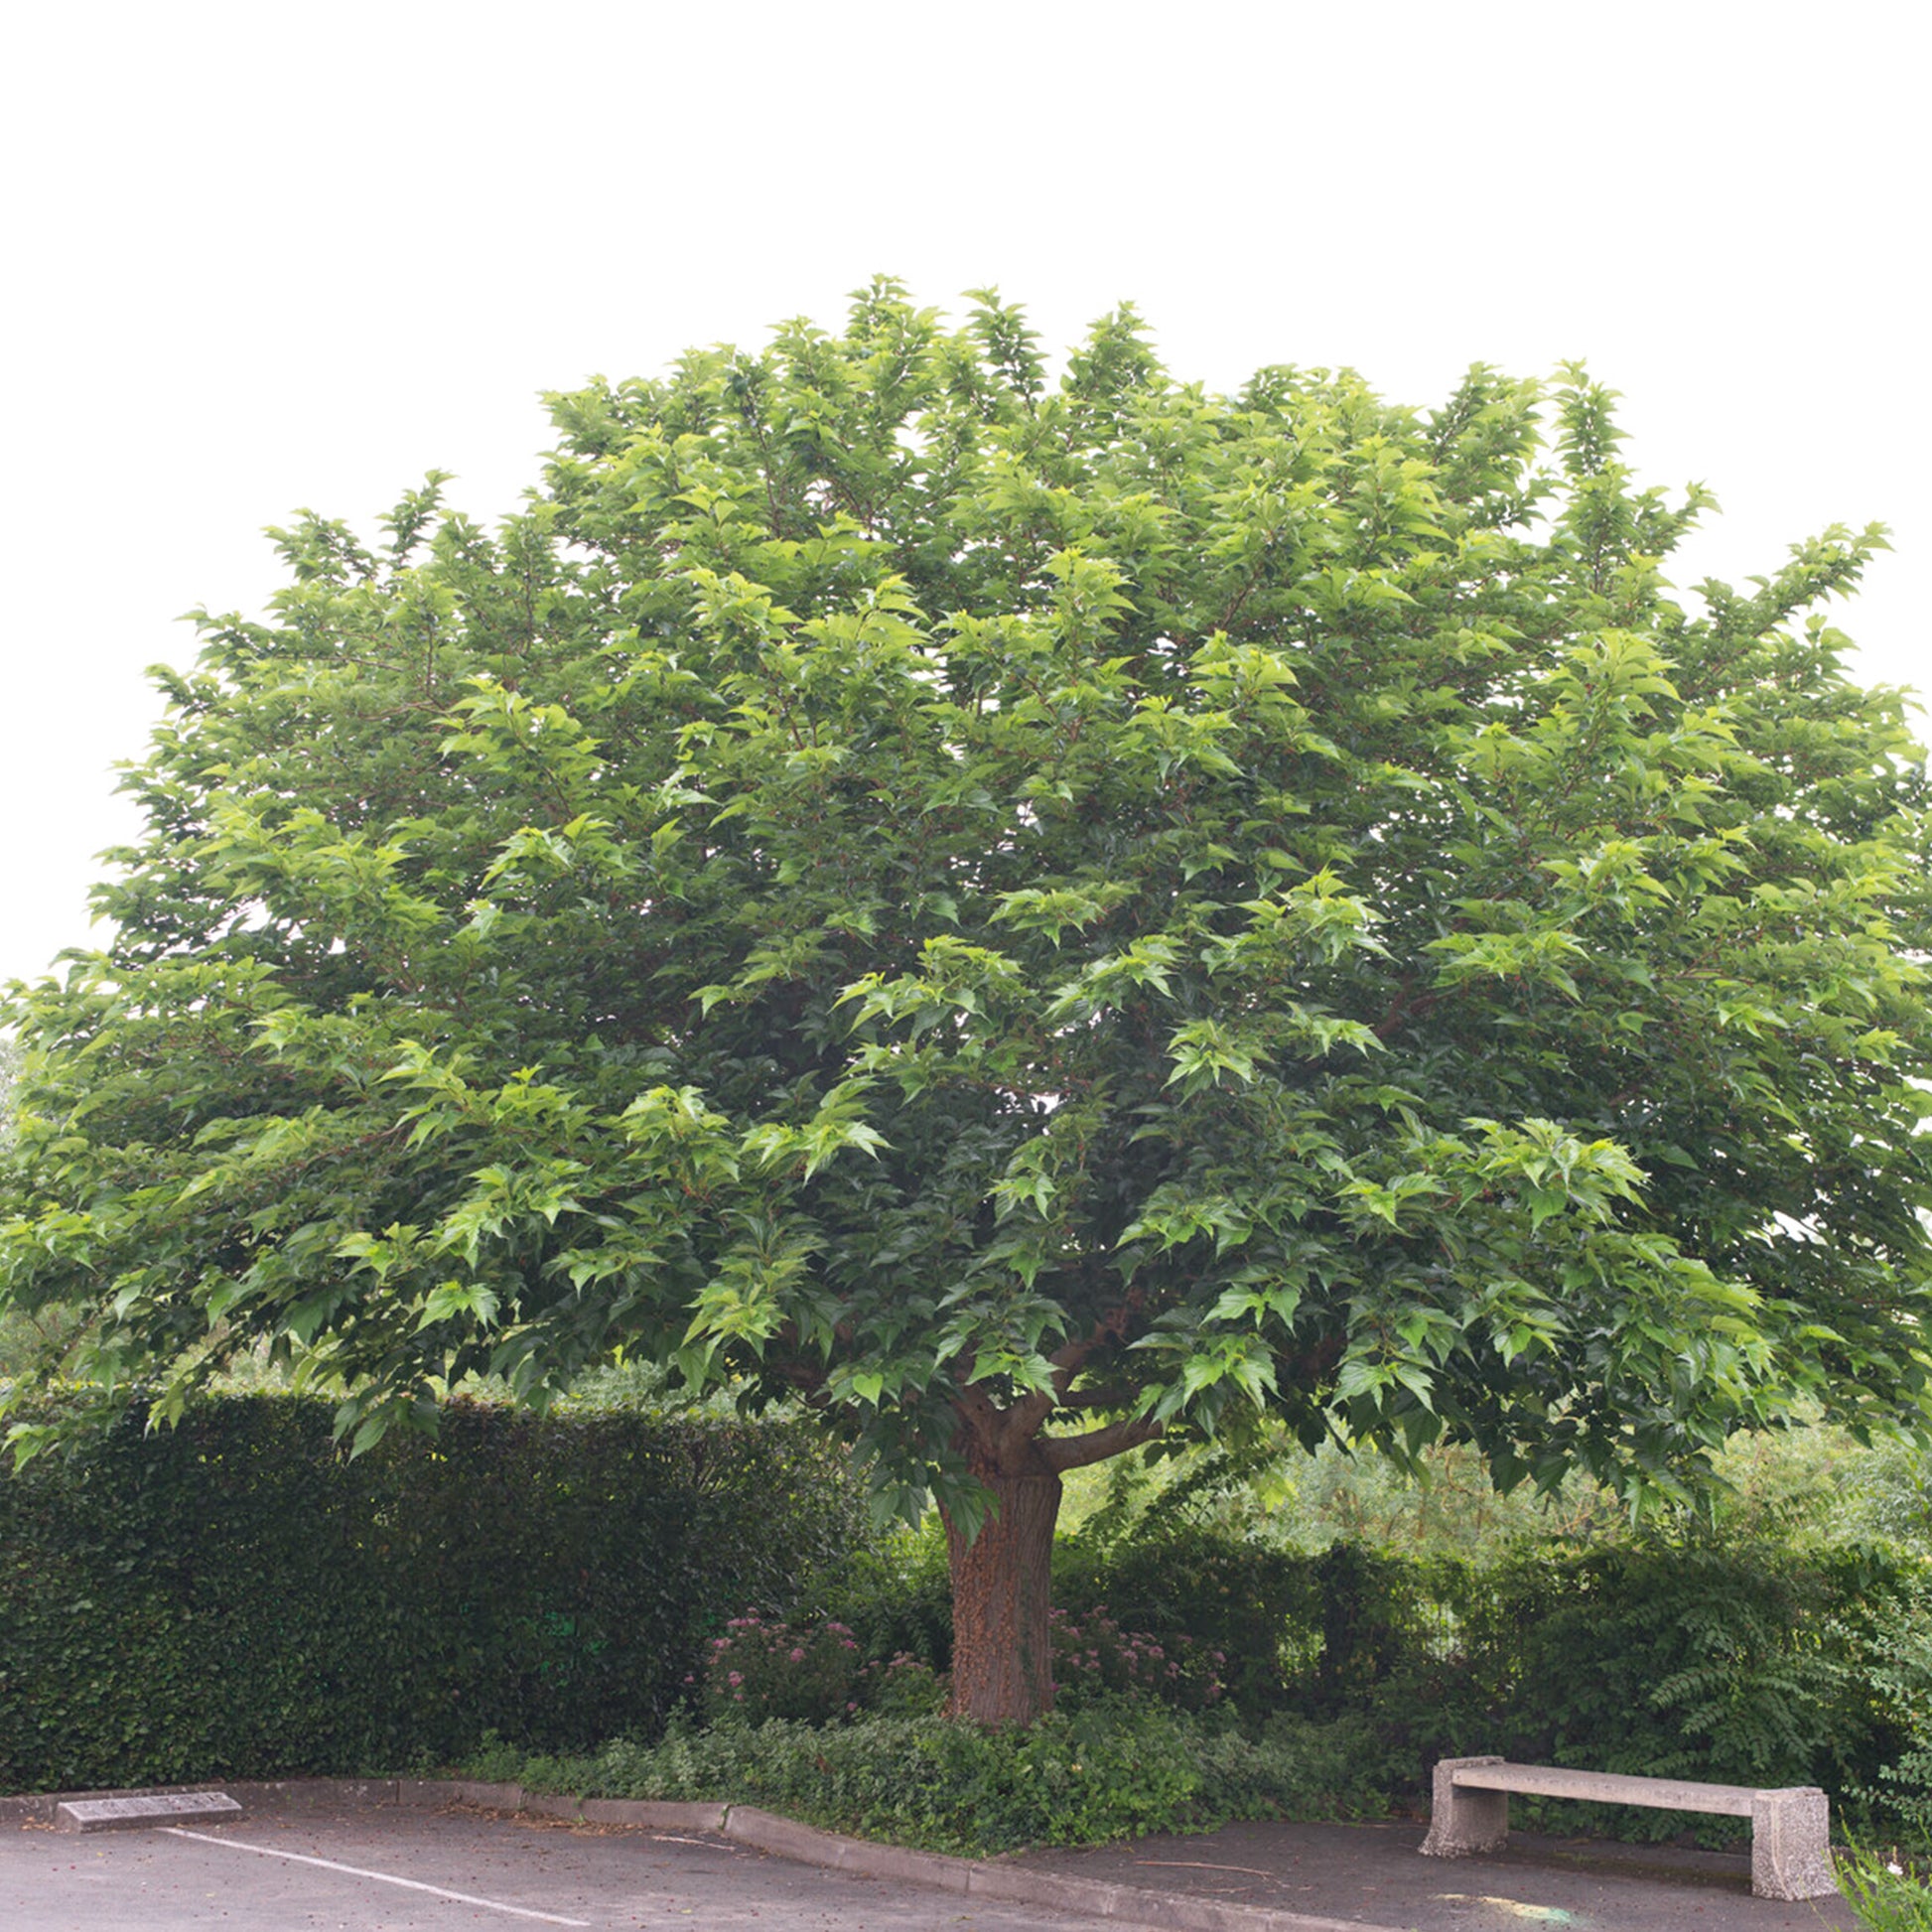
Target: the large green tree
(1028, 914)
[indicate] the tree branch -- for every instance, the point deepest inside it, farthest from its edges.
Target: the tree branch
(1061, 1453)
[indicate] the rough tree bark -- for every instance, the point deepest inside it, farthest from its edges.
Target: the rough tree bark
(1002, 1593)
(1002, 1579)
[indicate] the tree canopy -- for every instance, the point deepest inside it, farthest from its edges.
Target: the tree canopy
(1027, 912)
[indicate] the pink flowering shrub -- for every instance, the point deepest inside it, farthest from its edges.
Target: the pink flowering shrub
(811, 1673)
(763, 1667)
(1092, 1654)
(902, 1686)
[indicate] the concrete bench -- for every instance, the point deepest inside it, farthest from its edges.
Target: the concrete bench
(1790, 1829)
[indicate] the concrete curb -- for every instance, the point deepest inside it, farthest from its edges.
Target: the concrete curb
(994, 1878)
(1141, 1908)
(1138, 1906)
(785, 1838)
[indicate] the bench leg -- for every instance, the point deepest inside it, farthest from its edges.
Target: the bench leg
(1791, 1854)
(1461, 1822)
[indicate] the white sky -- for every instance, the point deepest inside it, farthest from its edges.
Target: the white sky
(263, 256)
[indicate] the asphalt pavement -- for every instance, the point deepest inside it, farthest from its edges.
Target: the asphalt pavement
(408, 1859)
(1372, 1875)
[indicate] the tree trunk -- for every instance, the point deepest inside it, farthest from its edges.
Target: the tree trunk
(1002, 1592)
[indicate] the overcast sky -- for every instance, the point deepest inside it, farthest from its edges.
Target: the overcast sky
(265, 256)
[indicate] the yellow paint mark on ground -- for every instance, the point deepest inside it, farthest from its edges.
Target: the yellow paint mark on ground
(1542, 1914)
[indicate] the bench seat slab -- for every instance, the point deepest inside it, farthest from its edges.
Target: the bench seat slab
(1790, 1829)
(1606, 1787)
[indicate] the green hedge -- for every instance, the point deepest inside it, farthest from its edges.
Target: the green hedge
(232, 1598)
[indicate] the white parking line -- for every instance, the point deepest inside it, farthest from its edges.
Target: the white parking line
(381, 1877)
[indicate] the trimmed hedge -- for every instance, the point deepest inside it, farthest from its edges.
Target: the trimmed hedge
(233, 1597)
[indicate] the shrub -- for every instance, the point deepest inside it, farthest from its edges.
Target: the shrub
(1093, 1656)
(1736, 1659)
(1884, 1892)
(1890, 1627)
(808, 1671)
(895, 1594)
(1258, 1605)
(233, 1597)
(902, 1686)
(1743, 1663)
(762, 1668)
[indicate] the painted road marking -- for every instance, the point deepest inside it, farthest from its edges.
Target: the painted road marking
(381, 1877)
(1549, 1914)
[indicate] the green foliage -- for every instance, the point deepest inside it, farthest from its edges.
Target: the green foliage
(1883, 1494)
(1884, 1892)
(895, 1594)
(1811, 1485)
(904, 1685)
(1271, 1490)
(1724, 1663)
(1117, 1767)
(235, 1598)
(815, 1670)
(1033, 912)
(1892, 1633)
(1258, 1606)
(1739, 1660)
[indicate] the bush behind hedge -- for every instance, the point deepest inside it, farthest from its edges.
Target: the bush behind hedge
(1740, 1660)
(232, 1598)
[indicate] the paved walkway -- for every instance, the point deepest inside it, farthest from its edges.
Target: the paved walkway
(1373, 1875)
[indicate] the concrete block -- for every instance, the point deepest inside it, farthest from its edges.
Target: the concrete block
(146, 1809)
(1605, 1787)
(552, 1804)
(1791, 1854)
(1463, 1822)
(311, 1794)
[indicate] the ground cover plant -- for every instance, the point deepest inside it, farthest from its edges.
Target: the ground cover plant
(1116, 1766)
(1037, 917)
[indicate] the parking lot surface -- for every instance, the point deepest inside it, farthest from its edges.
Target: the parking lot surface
(393, 1870)
(432, 1865)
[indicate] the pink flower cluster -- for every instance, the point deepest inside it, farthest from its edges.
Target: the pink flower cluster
(762, 1667)
(1093, 1653)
